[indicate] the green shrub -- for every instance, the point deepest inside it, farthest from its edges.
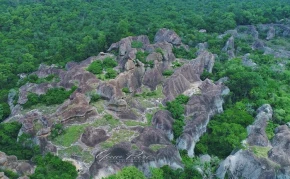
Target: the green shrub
(111, 73)
(96, 67)
(136, 44)
(95, 97)
(10, 174)
(23, 148)
(168, 72)
(109, 63)
(176, 107)
(57, 130)
(52, 96)
(126, 90)
(52, 167)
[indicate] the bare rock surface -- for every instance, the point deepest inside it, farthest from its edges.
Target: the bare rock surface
(256, 132)
(12, 163)
(166, 35)
(93, 136)
(201, 108)
(163, 120)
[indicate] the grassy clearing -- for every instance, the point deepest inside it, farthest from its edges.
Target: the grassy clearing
(261, 152)
(76, 151)
(134, 123)
(156, 147)
(117, 137)
(47, 110)
(70, 136)
(73, 133)
(99, 105)
(107, 120)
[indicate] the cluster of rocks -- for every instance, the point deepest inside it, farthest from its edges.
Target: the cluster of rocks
(23, 168)
(249, 163)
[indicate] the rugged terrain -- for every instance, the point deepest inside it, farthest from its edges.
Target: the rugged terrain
(136, 127)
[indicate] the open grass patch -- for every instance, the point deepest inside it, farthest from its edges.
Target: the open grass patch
(261, 152)
(76, 151)
(107, 120)
(117, 137)
(134, 123)
(99, 105)
(71, 135)
(156, 147)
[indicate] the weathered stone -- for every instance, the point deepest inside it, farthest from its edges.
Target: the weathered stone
(256, 132)
(166, 35)
(93, 136)
(271, 33)
(163, 120)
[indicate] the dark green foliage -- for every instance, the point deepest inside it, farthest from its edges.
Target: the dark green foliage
(52, 96)
(206, 75)
(176, 107)
(185, 54)
(111, 73)
(126, 90)
(57, 130)
(136, 44)
(167, 72)
(95, 97)
(4, 111)
(130, 172)
(142, 57)
(225, 131)
(52, 167)
(271, 126)
(96, 67)
(10, 174)
(24, 149)
(109, 63)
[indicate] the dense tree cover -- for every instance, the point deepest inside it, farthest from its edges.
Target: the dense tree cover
(10, 174)
(176, 107)
(225, 132)
(23, 148)
(52, 167)
(130, 172)
(51, 31)
(107, 65)
(250, 88)
(52, 96)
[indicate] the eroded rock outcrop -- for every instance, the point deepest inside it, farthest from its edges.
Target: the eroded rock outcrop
(143, 157)
(93, 136)
(201, 108)
(256, 132)
(163, 120)
(13, 164)
(261, 159)
(188, 74)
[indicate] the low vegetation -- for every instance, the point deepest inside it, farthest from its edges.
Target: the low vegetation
(51, 97)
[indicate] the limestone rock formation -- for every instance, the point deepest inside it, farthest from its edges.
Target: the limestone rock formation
(166, 35)
(163, 120)
(93, 136)
(15, 165)
(256, 132)
(271, 33)
(230, 47)
(201, 108)
(249, 163)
